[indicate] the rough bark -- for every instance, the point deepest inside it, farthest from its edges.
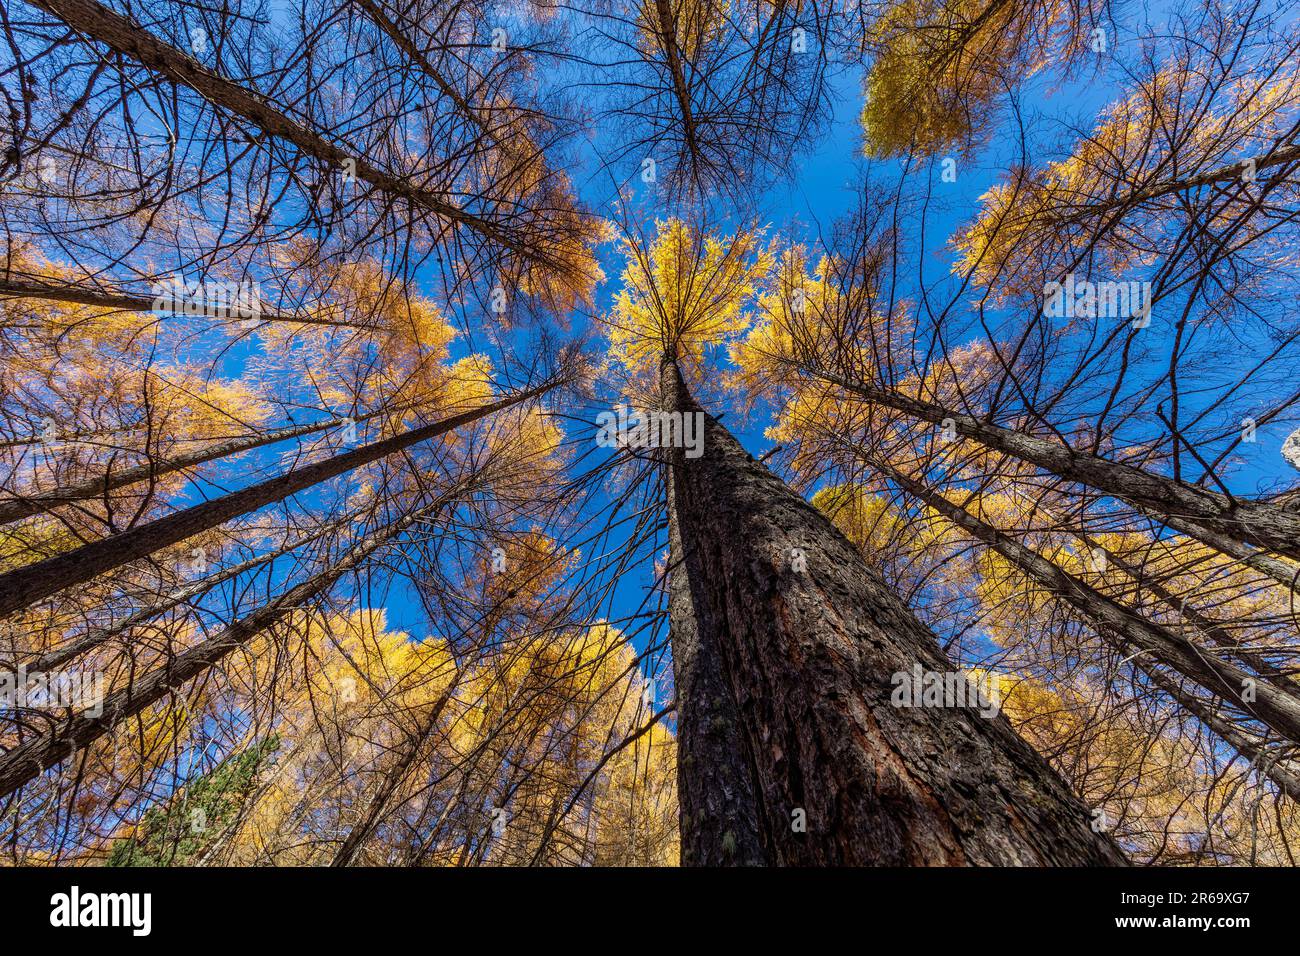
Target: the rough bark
(127, 38)
(717, 804)
(26, 585)
(810, 655)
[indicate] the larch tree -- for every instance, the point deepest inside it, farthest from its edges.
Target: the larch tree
(306, 311)
(808, 638)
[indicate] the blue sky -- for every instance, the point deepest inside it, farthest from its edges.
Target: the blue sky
(825, 185)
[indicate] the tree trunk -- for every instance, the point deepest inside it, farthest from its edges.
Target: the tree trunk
(29, 759)
(26, 288)
(26, 585)
(1214, 630)
(96, 637)
(1248, 745)
(16, 508)
(1205, 514)
(128, 39)
(1271, 706)
(811, 640)
(480, 117)
(374, 809)
(1278, 155)
(717, 806)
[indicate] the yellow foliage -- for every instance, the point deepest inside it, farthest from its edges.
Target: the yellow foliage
(684, 293)
(939, 64)
(1024, 221)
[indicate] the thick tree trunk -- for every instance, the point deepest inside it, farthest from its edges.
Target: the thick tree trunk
(1205, 514)
(811, 640)
(717, 804)
(26, 585)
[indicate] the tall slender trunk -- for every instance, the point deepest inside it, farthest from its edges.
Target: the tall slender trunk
(128, 39)
(1271, 706)
(811, 641)
(26, 288)
(1204, 514)
(480, 116)
(411, 746)
(1249, 745)
(1279, 154)
(25, 586)
(667, 23)
(18, 507)
(28, 760)
(96, 637)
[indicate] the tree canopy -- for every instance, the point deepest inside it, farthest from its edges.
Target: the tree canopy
(455, 434)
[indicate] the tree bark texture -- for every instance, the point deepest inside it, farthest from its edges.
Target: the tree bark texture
(809, 639)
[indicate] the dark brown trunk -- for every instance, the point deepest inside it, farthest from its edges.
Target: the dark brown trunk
(127, 38)
(717, 804)
(1248, 745)
(25, 288)
(811, 643)
(13, 509)
(25, 586)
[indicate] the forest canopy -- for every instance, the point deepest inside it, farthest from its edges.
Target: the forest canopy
(700, 432)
